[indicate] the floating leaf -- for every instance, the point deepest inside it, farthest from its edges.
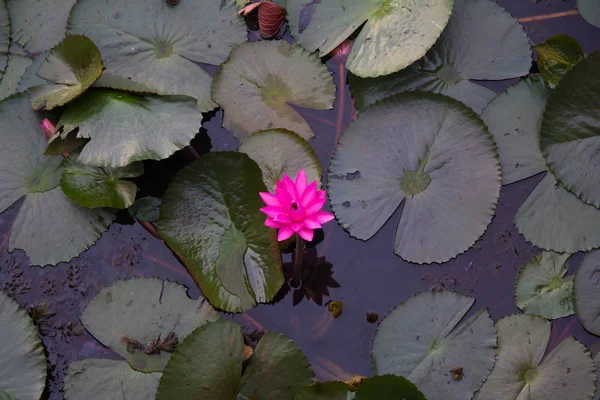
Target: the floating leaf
(210, 216)
(567, 372)
(542, 289)
(557, 56)
(6, 396)
(388, 387)
(590, 10)
(145, 209)
(597, 364)
(207, 365)
(39, 25)
(124, 128)
(94, 187)
(4, 37)
(324, 391)
(99, 379)
(259, 83)
(278, 370)
(49, 227)
(394, 35)
(587, 283)
(156, 46)
(23, 366)
(429, 151)
(72, 67)
(279, 152)
(140, 311)
(17, 65)
(468, 49)
(422, 340)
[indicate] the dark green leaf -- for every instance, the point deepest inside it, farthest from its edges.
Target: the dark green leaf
(324, 391)
(145, 209)
(557, 56)
(388, 387)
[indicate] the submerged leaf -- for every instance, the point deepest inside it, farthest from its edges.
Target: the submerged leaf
(557, 56)
(587, 285)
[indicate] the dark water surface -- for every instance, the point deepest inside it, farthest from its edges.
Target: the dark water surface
(365, 276)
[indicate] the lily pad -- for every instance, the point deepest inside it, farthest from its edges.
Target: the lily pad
(95, 187)
(49, 227)
(597, 364)
(23, 366)
(590, 10)
(542, 288)
(145, 209)
(567, 372)
(570, 135)
(156, 45)
(278, 370)
(72, 67)
(388, 387)
(210, 216)
(422, 340)
(208, 364)
(99, 379)
(261, 81)
(17, 65)
(6, 396)
(468, 49)
(143, 310)
(124, 128)
(557, 56)
(587, 283)
(279, 152)
(394, 33)
(325, 391)
(429, 151)
(4, 37)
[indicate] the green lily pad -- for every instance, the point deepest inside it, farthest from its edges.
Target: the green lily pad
(99, 379)
(543, 290)
(325, 391)
(156, 46)
(587, 283)
(208, 364)
(597, 364)
(17, 65)
(23, 366)
(570, 135)
(590, 10)
(210, 217)
(567, 372)
(279, 152)
(6, 396)
(145, 209)
(124, 128)
(95, 187)
(4, 37)
(388, 387)
(259, 83)
(39, 25)
(557, 56)
(49, 227)
(468, 49)
(70, 144)
(144, 310)
(278, 370)
(72, 67)
(394, 35)
(422, 340)
(429, 151)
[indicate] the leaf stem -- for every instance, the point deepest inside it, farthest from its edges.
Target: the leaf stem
(298, 256)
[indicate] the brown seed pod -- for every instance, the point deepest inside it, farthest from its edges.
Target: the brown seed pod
(270, 18)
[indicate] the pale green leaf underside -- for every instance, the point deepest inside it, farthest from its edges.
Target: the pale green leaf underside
(156, 45)
(567, 372)
(99, 379)
(381, 150)
(422, 340)
(279, 152)
(4, 37)
(541, 288)
(396, 33)
(144, 309)
(124, 128)
(590, 10)
(259, 83)
(587, 285)
(23, 366)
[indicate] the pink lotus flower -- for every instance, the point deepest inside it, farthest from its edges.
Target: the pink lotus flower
(48, 128)
(295, 207)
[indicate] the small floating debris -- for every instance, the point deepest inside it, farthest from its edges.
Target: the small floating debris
(335, 308)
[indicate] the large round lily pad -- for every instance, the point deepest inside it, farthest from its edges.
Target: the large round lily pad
(590, 10)
(570, 135)
(16, 67)
(422, 340)
(566, 373)
(124, 128)
(261, 81)
(587, 287)
(543, 290)
(394, 33)
(49, 227)
(156, 45)
(467, 49)
(4, 37)
(429, 151)
(130, 314)
(279, 152)
(210, 216)
(388, 387)
(23, 365)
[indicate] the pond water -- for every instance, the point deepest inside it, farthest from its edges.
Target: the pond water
(365, 276)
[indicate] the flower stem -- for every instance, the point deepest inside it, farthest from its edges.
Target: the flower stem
(298, 256)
